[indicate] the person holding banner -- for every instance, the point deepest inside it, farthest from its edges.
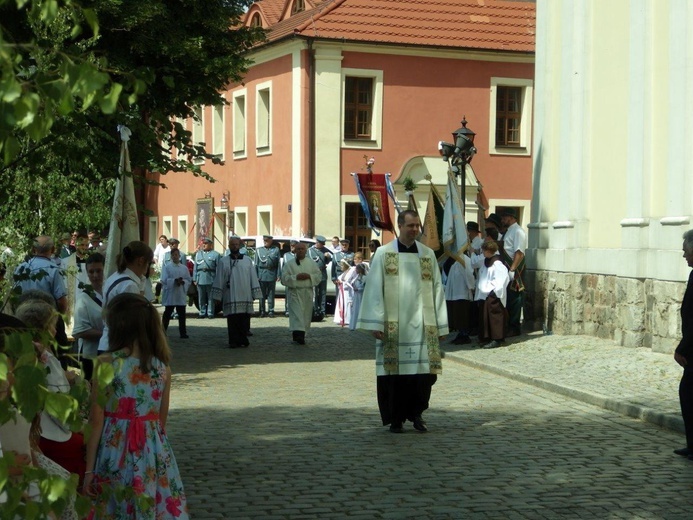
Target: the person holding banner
(403, 307)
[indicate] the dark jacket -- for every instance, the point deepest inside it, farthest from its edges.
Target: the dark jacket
(685, 347)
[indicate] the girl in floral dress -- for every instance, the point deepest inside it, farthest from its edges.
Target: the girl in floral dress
(131, 470)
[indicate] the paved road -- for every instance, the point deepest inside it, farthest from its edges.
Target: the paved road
(279, 431)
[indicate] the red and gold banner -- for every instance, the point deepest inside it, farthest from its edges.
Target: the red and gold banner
(372, 189)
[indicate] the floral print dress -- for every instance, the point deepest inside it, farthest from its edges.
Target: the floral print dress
(135, 470)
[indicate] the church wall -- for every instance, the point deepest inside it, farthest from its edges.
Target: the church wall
(633, 312)
(613, 175)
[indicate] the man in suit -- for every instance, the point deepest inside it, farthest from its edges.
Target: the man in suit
(684, 352)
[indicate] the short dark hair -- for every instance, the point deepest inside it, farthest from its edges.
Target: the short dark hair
(402, 216)
(688, 240)
(96, 258)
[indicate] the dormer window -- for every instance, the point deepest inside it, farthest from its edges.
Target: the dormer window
(256, 21)
(299, 5)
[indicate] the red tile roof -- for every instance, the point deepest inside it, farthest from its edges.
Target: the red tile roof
(503, 25)
(273, 10)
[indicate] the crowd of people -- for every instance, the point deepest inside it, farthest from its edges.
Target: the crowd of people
(123, 461)
(406, 297)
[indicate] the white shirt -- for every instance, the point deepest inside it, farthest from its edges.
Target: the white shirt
(494, 278)
(175, 295)
(460, 281)
(87, 317)
(159, 254)
(515, 239)
(134, 285)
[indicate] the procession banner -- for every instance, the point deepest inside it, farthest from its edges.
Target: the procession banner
(205, 213)
(455, 236)
(124, 227)
(373, 194)
(433, 223)
(391, 193)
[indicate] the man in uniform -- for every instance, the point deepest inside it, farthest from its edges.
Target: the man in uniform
(204, 270)
(40, 272)
(321, 256)
(343, 259)
(236, 286)
(174, 243)
(299, 276)
(404, 308)
(513, 255)
(267, 264)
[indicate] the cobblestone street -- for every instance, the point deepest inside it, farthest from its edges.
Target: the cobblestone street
(282, 431)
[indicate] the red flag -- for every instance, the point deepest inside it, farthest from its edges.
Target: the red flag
(373, 194)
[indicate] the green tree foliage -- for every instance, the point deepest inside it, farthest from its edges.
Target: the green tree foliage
(70, 72)
(64, 90)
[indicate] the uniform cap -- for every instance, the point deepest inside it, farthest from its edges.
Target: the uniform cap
(173, 240)
(207, 240)
(320, 238)
(267, 237)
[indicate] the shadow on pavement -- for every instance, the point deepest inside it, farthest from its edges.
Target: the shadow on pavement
(318, 462)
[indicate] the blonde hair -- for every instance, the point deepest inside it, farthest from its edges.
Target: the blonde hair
(131, 320)
(37, 314)
(490, 245)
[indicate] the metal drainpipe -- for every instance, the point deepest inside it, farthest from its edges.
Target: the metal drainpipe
(310, 228)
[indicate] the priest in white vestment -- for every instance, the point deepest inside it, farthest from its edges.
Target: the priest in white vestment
(237, 287)
(404, 308)
(299, 277)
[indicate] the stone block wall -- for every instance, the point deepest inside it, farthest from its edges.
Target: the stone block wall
(632, 312)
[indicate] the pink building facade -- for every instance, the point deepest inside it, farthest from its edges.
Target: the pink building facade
(338, 82)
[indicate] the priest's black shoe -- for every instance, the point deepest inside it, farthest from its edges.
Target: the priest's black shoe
(420, 424)
(396, 428)
(684, 452)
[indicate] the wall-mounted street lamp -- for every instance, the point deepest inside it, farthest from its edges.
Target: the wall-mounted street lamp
(224, 200)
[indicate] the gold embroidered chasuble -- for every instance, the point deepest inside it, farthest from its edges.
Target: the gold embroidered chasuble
(404, 299)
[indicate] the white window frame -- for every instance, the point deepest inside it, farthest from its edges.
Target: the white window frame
(219, 134)
(168, 226)
(263, 119)
(153, 232)
(240, 221)
(183, 232)
(525, 147)
(375, 142)
(240, 124)
(260, 211)
(198, 132)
